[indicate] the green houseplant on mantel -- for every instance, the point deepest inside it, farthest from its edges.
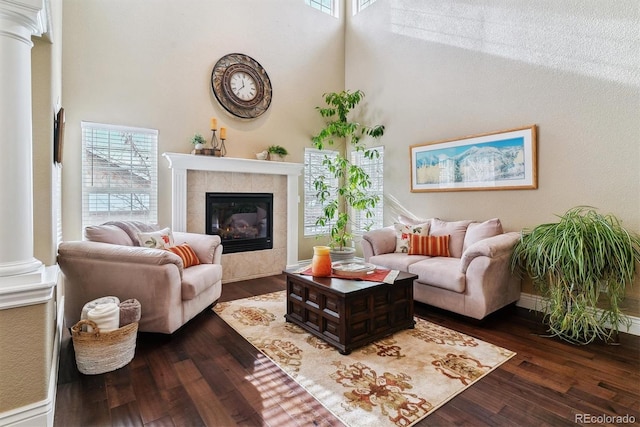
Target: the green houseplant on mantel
(198, 141)
(344, 134)
(277, 152)
(581, 265)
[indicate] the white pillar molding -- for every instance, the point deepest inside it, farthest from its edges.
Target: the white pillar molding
(179, 199)
(19, 21)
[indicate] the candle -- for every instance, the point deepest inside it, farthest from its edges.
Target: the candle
(321, 261)
(223, 133)
(214, 123)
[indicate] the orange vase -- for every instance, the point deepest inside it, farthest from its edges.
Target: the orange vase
(321, 262)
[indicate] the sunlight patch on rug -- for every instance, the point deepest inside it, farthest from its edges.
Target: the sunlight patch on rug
(395, 381)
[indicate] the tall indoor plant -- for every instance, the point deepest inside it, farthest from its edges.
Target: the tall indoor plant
(345, 134)
(581, 266)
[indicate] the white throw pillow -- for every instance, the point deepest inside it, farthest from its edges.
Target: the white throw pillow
(161, 239)
(477, 231)
(403, 232)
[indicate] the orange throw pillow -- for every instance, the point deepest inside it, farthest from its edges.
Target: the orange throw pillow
(429, 245)
(187, 254)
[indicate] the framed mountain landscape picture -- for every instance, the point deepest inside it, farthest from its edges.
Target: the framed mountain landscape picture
(504, 160)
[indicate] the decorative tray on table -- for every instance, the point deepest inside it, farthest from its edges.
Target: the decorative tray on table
(352, 268)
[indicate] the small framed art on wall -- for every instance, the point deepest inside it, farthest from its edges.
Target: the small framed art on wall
(58, 136)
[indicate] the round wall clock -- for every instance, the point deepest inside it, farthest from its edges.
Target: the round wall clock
(241, 85)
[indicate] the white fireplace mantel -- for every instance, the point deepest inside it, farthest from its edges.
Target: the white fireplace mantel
(180, 163)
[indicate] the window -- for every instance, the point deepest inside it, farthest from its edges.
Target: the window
(359, 5)
(375, 168)
(314, 168)
(312, 208)
(119, 174)
(327, 6)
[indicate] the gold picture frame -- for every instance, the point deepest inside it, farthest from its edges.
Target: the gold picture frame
(503, 160)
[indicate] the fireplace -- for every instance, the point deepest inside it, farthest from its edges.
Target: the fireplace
(244, 221)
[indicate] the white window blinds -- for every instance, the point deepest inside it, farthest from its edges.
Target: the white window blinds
(119, 174)
(313, 168)
(374, 167)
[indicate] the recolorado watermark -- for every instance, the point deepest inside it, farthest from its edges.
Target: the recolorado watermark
(604, 419)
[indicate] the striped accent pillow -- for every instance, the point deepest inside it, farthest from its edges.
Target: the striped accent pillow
(429, 245)
(187, 254)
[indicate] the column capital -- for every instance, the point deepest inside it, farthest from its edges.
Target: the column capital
(33, 15)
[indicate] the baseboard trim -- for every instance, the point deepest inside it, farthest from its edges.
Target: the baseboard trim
(536, 302)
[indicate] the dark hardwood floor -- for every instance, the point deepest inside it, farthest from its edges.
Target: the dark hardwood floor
(205, 374)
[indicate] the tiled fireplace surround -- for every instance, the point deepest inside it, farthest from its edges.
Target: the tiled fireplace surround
(193, 176)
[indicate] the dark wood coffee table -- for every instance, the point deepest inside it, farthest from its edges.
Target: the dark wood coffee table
(349, 313)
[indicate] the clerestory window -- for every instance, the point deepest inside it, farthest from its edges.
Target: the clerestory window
(359, 5)
(329, 7)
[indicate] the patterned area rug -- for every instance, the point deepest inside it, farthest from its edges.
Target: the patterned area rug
(396, 381)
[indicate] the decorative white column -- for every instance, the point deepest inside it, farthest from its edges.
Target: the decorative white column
(19, 20)
(27, 288)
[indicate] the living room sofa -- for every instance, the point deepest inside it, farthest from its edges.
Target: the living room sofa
(111, 262)
(474, 280)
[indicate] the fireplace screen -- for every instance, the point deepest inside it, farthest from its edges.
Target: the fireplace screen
(244, 221)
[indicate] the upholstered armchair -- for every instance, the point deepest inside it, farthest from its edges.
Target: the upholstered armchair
(112, 262)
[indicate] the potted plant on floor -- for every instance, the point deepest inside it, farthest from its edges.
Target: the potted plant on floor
(344, 133)
(581, 265)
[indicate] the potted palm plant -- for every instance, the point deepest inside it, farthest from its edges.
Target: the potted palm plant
(581, 266)
(343, 132)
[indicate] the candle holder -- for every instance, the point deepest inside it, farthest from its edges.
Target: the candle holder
(223, 149)
(214, 139)
(215, 145)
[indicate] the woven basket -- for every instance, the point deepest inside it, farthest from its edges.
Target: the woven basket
(99, 352)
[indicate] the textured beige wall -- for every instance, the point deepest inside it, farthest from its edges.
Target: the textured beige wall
(43, 114)
(46, 77)
(443, 69)
(26, 340)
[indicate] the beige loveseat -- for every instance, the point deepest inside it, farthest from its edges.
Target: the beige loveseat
(111, 262)
(474, 280)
